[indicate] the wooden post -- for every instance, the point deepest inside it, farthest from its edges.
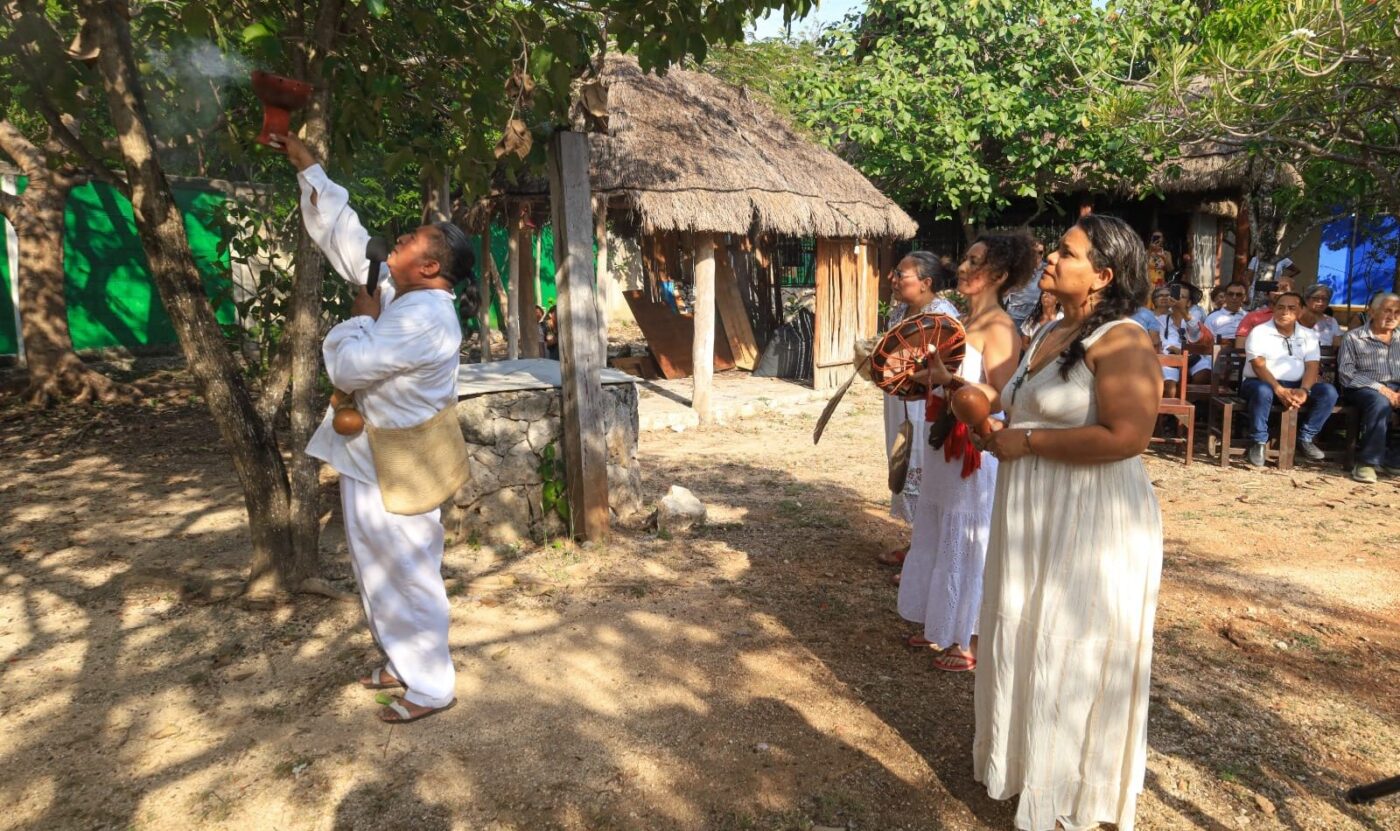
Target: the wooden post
(702, 352)
(523, 271)
(1242, 242)
(603, 295)
(483, 312)
(581, 362)
(513, 286)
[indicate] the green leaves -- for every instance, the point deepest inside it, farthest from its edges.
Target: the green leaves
(962, 106)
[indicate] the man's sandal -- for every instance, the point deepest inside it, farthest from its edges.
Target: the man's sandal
(380, 679)
(396, 713)
(950, 661)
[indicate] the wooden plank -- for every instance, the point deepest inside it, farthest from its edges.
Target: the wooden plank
(604, 278)
(483, 311)
(581, 360)
(512, 313)
(729, 302)
(703, 347)
(530, 345)
(669, 336)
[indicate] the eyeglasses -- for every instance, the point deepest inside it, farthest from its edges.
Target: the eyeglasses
(1288, 344)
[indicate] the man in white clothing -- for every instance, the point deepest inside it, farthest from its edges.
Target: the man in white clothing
(1225, 321)
(1282, 363)
(398, 355)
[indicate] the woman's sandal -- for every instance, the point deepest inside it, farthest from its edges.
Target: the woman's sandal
(918, 641)
(892, 558)
(380, 679)
(950, 661)
(395, 712)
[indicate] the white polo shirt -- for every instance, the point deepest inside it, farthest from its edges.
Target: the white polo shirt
(1223, 322)
(1286, 357)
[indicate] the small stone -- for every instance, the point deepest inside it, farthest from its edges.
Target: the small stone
(1280, 645)
(1264, 805)
(679, 510)
(761, 747)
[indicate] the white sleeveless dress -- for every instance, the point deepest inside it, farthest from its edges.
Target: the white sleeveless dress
(905, 504)
(1065, 654)
(941, 585)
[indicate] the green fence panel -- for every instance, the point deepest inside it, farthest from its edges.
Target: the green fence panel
(500, 251)
(112, 299)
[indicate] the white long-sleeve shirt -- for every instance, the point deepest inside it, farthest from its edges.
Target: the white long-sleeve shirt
(402, 368)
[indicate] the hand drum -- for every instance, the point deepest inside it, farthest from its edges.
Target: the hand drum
(904, 349)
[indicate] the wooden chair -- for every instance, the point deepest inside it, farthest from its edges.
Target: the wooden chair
(1226, 377)
(1177, 405)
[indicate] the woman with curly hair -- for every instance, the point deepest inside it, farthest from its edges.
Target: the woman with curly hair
(1075, 555)
(941, 585)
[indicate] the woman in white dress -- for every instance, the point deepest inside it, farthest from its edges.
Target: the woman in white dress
(914, 284)
(941, 585)
(1075, 555)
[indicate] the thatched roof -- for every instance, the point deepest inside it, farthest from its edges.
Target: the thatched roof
(688, 152)
(1213, 166)
(1205, 168)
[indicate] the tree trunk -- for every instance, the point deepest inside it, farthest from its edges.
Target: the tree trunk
(55, 370)
(303, 332)
(161, 229)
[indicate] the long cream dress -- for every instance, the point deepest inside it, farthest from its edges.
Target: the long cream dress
(1070, 592)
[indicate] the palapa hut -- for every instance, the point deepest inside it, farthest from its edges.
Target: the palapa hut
(710, 183)
(1199, 199)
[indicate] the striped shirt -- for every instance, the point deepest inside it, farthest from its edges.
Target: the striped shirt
(1364, 360)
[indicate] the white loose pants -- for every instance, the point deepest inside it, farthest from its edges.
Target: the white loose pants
(398, 564)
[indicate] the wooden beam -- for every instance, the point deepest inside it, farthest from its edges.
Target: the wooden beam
(513, 286)
(729, 301)
(702, 353)
(483, 312)
(1242, 242)
(581, 361)
(604, 289)
(523, 271)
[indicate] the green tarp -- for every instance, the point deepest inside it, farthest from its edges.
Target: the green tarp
(112, 301)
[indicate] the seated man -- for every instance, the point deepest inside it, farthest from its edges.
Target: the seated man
(1225, 321)
(1266, 292)
(1282, 361)
(1368, 368)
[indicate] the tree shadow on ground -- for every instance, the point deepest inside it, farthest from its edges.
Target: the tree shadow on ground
(751, 677)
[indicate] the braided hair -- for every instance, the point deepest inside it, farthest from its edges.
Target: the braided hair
(1113, 244)
(1012, 253)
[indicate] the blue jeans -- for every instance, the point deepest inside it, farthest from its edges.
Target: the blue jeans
(1313, 414)
(1376, 446)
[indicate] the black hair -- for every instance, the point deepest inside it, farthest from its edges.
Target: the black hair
(929, 266)
(1284, 294)
(1178, 287)
(453, 251)
(1113, 244)
(1012, 254)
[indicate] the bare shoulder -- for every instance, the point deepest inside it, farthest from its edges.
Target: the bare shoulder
(1122, 343)
(994, 326)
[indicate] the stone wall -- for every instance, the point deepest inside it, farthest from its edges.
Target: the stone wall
(506, 433)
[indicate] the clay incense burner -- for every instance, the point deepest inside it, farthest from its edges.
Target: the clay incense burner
(280, 97)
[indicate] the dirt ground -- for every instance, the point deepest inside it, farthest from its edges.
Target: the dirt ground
(751, 676)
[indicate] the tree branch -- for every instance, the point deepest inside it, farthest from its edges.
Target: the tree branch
(18, 147)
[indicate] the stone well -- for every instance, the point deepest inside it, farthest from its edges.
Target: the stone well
(510, 411)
